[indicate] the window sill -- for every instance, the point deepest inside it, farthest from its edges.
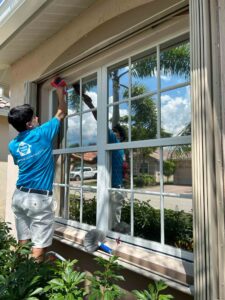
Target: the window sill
(177, 273)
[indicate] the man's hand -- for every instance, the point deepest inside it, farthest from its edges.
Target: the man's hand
(62, 108)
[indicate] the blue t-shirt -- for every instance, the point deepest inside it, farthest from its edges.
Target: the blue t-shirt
(32, 152)
(117, 162)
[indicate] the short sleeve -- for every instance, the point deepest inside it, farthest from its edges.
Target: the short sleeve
(11, 152)
(112, 137)
(50, 129)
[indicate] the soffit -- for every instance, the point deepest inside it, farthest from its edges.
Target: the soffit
(42, 23)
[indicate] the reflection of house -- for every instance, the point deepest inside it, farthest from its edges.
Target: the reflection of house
(150, 164)
(78, 38)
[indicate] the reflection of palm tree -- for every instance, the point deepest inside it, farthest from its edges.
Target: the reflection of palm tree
(175, 60)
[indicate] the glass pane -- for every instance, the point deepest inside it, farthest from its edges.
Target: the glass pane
(73, 132)
(74, 205)
(175, 65)
(59, 196)
(143, 74)
(118, 117)
(118, 80)
(147, 217)
(73, 99)
(75, 169)
(146, 169)
(117, 168)
(83, 172)
(119, 212)
(178, 222)
(90, 172)
(89, 207)
(59, 161)
(89, 129)
(89, 90)
(177, 169)
(144, 118)
(176, 112)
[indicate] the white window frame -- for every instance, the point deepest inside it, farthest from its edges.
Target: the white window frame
(103, 149)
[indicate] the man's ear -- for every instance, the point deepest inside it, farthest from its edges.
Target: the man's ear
(29, 125)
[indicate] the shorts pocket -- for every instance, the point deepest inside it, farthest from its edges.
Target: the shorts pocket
(39, 203)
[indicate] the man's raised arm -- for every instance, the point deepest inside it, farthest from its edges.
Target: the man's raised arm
(62, 107)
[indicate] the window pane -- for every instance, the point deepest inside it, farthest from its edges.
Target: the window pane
(144, 74)
(118, 80)
(59, 197)
(119, 212)
(83, 171)
(147, 217)
(73, 100)
(178, 222)
(176, 112)
(75, 169)
(177, 169)
(73, 132)
(118, 115)
(146, 169)
(175, 65)
(89, 129)
(89, 88)
(59, 168)
(144, 118)
(74, 205)
(89, 207)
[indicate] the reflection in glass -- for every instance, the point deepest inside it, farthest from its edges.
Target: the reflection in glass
(73, 132)
(75, 160)
(178, 220)
(143, 119)
(143, 74)
(146, 169)
(175, 65)
(119, 212)
(118, 79)
(59, 162)
(83, 167)
(74, 205)
(73, 100)
(89, 129)
(89, 207)
(176, 112)
(89, 88)
(59, 198)
(147, 217)
(177, 169)
(122, 111)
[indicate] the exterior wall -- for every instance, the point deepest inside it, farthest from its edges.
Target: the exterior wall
(4, 130)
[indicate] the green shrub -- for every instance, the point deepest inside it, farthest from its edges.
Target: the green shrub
(103, 285)
(147, 224)
(153, 292)
(144, 180)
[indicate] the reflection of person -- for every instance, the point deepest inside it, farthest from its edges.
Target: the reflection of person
(32, 201)
(116, 135)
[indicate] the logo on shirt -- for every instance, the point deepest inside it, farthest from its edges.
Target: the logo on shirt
(24, 149)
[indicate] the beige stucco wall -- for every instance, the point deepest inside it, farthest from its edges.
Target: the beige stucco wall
(4, 135)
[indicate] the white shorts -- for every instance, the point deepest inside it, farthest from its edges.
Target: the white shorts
(34, 216)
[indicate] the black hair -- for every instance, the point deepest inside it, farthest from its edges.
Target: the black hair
(121, 130)
(18, 116)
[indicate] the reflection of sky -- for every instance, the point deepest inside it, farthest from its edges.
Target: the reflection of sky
(89, 126)
(175, 110)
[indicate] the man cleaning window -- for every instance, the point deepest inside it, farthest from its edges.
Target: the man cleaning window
(32, 201)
